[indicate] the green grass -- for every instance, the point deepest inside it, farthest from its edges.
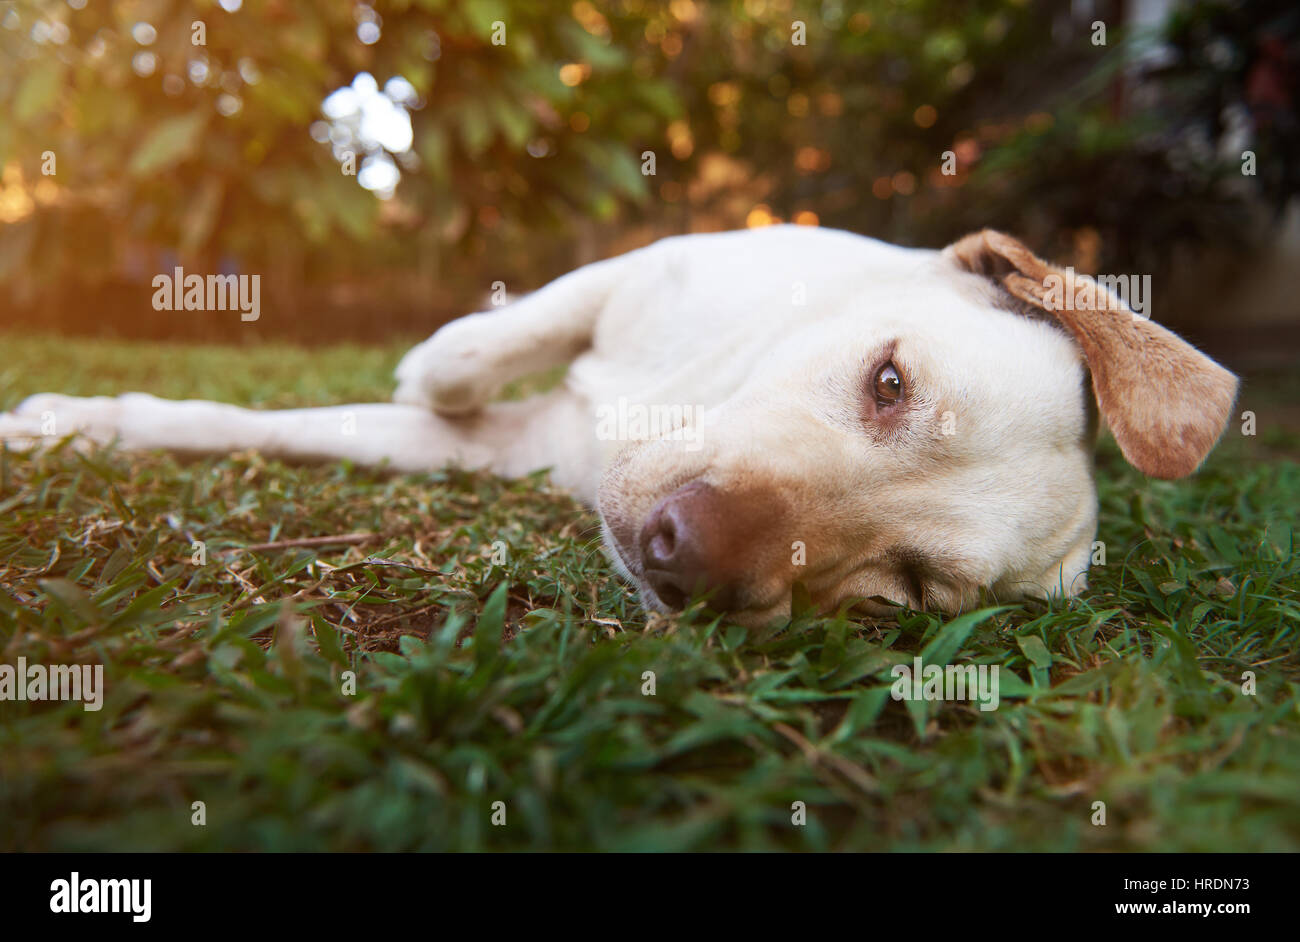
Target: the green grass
(522, 682)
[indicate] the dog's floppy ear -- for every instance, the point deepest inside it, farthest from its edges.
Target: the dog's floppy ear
(1165, 402)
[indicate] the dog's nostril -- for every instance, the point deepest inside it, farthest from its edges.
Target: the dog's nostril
(684, 548)
(664, 541)
(658, 539)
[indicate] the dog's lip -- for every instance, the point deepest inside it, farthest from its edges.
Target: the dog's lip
(630, 564)
(617, 542)
(755, 602)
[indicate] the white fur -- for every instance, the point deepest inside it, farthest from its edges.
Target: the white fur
(771, 332)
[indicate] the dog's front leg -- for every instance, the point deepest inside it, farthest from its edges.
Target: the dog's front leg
(510, 438)
(466, 362)
(405, 438)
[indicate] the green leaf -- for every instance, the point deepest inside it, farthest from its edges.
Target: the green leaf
(1010, 685)
(38, 90)
(661, 97)
(491, 623)
(327, 639)
(951, 636)
(623, 170)
(481, 14)
(475, 130)
(1035, 650)
(513, 121)
(71, 598)
(862, 714)
(168, 144)
(861, 663)
(435, 152)
(918, 711)
(197, 223)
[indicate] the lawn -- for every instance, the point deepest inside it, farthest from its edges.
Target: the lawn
(522, 677)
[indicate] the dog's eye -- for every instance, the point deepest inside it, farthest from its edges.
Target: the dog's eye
(888, 385)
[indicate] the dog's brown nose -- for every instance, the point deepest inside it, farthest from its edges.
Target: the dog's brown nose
(685, 551)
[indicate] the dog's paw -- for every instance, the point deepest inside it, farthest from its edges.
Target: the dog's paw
(452, 372)
(48, 417)
(18, 431)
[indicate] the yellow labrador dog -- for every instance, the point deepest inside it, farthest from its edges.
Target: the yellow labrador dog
(751, 409)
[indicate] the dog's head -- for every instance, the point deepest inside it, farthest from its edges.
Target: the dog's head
(933, 441)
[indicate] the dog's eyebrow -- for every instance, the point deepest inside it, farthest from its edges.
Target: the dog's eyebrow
(884, 353)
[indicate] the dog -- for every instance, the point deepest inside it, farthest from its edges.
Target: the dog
(884, 425)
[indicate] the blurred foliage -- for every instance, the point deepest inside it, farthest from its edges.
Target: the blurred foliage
(208, 153)
(216, 156)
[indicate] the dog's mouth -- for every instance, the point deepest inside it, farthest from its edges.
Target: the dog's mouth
(625, 562)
